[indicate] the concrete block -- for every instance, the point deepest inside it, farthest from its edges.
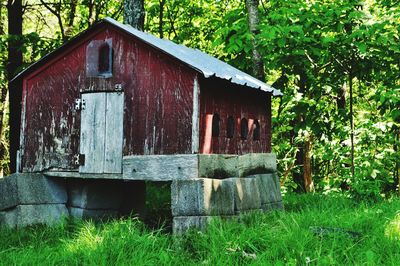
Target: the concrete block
(221, 166)
(272, 206)
(247, 194)
(94, 196)
(23, 215)
(218, 166)
(256, 163)
(95, 193)
(97, 214)
(269, 187)
(30, 188)
(182, 224)
(202, 197)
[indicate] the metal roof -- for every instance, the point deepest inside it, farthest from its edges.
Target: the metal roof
(207, 65)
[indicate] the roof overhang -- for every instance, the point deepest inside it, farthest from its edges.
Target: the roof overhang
(201, 62)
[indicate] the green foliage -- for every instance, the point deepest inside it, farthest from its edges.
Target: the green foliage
(311, 49)
(352, 233)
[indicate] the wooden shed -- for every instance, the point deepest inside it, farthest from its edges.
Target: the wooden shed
(114, 94)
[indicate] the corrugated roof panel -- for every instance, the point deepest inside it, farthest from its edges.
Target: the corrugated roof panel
(206, 64)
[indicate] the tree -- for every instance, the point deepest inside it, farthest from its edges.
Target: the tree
(253, 20)
(134, 13)
(15, 61)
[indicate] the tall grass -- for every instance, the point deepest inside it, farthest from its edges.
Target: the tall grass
(349, 233)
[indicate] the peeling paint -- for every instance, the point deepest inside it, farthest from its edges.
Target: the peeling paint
(159, 110)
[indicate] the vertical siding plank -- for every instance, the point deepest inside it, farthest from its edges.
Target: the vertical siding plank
(114, 132)
(93, 123)
(195, 117)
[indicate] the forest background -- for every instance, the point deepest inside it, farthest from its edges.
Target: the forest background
(336, 128)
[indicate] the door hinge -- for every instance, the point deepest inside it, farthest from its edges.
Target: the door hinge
(80, 104)
(79, 159)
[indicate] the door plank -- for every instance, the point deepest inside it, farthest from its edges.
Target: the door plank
(93, 123)
(114, 132)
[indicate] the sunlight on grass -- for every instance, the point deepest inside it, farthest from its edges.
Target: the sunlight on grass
(392, 229)
(86, 239)
(353, 233)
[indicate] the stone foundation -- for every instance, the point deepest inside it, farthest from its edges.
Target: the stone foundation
(203, 187)
(196, 202)
(98, 198)
(27, 199)
(24, 215)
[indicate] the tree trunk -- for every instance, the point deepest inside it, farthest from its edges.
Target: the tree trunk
(303, 179)
(14, 9)
(71, 17)
(253, 19)
(160, 19)
(351, 122)
(134, 13)
(341, 99)
(396, 176)
(298, 175)
(307, 174)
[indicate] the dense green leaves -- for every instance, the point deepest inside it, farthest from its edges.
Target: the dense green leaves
(311, 51)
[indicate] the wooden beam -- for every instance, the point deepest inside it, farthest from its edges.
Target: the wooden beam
(185, 166)
(160, 167)
(67, 174)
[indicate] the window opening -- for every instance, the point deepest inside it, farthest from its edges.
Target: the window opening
(256, 130)
(230, 127)
(104, 65)
(215, 125)
(244, 129)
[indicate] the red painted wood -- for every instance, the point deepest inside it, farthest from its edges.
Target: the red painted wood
(158, 111)
(158, 103)
(230, 100)
(159, 107)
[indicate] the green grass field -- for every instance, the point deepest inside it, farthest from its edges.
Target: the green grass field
(313, 230)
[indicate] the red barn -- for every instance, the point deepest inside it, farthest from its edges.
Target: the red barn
(114, 92)
(119, 104)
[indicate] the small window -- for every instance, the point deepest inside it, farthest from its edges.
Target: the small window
(215, 125)
(99, 58)
(244, 128)
(256, 130)
(230, 127)
(104, 65)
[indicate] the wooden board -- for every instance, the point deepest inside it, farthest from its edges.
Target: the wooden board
(65, 174)
(187, 166)
(102, 132)
(160, 167)
(93, 124)
(195, 117)
(114, 132)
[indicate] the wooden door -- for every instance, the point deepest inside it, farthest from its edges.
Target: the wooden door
(101, 132)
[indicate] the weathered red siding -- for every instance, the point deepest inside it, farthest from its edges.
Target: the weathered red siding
(227, 100)
(51, 133)
(159, 106)
(158, 103)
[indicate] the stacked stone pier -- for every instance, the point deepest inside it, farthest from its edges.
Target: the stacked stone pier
(27, 199)
(229, 185)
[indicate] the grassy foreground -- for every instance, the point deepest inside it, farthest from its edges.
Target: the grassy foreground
(314, 230)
